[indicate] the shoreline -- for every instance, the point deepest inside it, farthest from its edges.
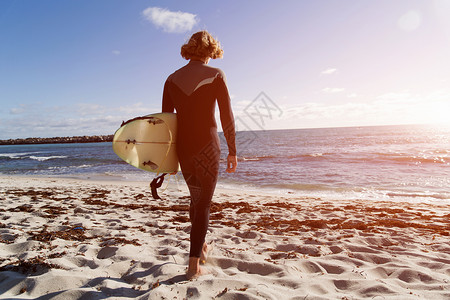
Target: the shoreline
(58, 140)
(70, 238)
(223, 185)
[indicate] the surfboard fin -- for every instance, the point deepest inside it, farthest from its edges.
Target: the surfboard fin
(155, 184)
(155, 121)
(150, 164)
(151, 120)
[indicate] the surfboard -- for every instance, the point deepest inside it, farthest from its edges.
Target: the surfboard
(148, 142)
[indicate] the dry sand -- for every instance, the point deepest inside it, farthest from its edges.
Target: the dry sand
(75, 239)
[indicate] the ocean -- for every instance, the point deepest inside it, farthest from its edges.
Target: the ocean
(394, 163)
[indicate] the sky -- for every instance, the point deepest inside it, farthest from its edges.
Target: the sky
(81, 67)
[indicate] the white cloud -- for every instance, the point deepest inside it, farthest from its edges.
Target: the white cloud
(410, 21)
(170, 21)
(137, 109)
(329, 71)
(40, 120)
(402, 97)
(402, 107)
(333, 90)
(116, 52)
(17, 110)
(89, 108)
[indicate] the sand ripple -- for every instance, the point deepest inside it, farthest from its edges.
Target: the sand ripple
(72, 239)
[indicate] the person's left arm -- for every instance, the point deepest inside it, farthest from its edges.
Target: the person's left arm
(227, 121)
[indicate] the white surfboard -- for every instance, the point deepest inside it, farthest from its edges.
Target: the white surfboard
(148, 143)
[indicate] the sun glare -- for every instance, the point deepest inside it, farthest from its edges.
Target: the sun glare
(440, 113)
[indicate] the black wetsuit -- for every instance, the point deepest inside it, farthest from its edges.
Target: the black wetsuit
(193, 91)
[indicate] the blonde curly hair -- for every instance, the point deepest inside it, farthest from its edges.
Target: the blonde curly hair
(201, 45)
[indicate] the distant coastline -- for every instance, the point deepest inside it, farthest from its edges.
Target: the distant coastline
(59, 140)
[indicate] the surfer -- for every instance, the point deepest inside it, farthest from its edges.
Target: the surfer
(193, 91)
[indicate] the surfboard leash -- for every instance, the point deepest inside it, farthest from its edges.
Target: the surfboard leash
(158, 181)
(155, 184)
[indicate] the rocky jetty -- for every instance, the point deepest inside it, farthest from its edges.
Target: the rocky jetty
(59, 140)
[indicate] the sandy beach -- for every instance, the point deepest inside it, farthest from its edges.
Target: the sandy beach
(78, 239)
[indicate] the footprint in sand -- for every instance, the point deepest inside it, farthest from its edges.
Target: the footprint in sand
(107, 252)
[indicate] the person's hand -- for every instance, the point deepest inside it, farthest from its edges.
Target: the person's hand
(231, 163)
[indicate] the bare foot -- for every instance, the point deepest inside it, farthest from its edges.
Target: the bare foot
(194, 274)
(205, 251)
(194, 270)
